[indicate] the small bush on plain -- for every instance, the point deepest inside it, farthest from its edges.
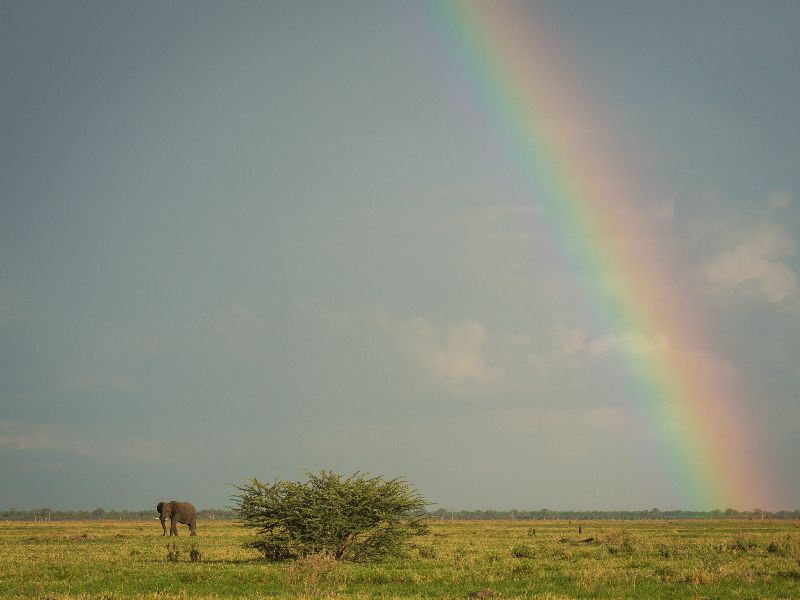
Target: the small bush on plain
(173, 552)
(785, 546)
(742, 543)
(618, 540)
(194, 554)
(356, 518)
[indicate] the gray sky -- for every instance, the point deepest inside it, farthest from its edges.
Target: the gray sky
(244, 239)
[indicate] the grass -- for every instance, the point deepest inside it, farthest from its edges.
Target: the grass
(462, 559)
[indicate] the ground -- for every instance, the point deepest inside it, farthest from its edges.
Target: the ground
(461, 559)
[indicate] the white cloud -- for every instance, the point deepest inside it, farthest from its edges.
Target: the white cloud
(632, 345)
(455, 353)
(629, 342)
(758, 265)
(574, 340)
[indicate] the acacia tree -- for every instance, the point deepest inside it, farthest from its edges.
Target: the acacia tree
(357, 518)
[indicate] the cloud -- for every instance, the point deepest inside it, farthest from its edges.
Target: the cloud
(455, 353)
(631, 346)
(26, 439)
(757, 265)
(629, 342)
(574, 340)
(571, 340)
(46, 438)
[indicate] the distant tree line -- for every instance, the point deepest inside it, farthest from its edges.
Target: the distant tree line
(588, 515)
(47, 514)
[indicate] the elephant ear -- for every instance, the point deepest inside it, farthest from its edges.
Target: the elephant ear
(159, 507)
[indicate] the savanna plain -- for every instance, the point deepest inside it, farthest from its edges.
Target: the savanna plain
(62, 560)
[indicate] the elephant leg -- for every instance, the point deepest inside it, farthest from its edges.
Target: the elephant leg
(164, 526)
(173, 527)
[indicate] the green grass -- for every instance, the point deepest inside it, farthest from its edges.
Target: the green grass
(503, 559)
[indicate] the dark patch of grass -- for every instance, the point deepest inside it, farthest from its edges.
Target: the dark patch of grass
(522, 551)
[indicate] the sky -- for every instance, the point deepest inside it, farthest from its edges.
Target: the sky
(249, 239)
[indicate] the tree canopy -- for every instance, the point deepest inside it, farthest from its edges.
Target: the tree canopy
(356, 518)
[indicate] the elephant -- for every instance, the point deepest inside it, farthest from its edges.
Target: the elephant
(177, 512)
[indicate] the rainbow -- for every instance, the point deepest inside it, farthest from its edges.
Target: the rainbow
(528, 96)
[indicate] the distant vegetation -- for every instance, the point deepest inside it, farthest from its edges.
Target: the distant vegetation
(38, 514)
(589, 515)
(47, 514)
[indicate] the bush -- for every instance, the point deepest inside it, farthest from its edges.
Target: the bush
(357, 518)
(742, 543)
(786, 546)
(618, 540)
(195, 555)
(173, 552)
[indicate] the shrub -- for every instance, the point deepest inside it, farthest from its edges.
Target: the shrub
(173, 552)
(618, 540)
(742, 543)
(786, 546)
(357, 518)
(194, 554)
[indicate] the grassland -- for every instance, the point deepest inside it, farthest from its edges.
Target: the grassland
(477, 559)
